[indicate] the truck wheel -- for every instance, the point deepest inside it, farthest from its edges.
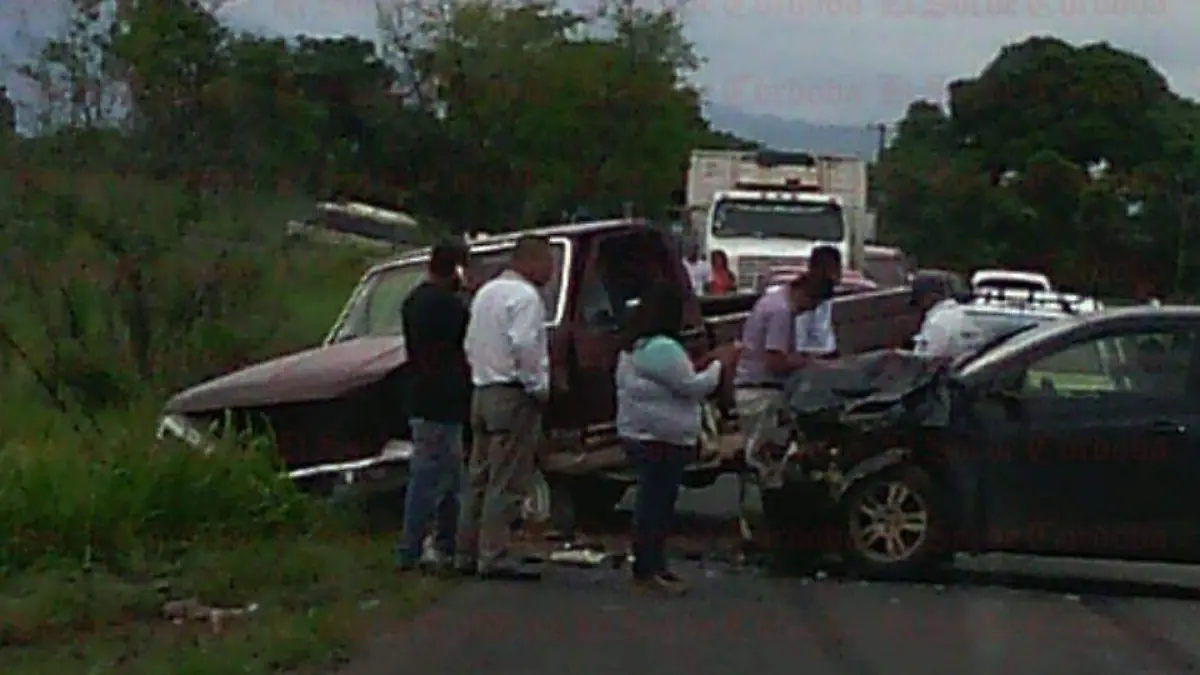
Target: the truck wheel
(896, 524)
(579, 501)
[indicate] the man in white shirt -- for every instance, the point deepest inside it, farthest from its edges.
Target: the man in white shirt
(947, 330)
(814, 328)
(698, 269)
(510, 370)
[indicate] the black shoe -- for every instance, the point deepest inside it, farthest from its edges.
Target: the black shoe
(511, 571)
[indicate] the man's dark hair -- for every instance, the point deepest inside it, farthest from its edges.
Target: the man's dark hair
(530, 246)
(446, 258)
(817, 287)
(660, 312)
(824, 257)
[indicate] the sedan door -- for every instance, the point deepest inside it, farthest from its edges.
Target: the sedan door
(1094, 449)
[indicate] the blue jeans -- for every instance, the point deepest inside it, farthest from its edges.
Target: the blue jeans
(435, 477)
(660, 471)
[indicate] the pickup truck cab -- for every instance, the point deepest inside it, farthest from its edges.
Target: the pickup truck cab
(336, 410)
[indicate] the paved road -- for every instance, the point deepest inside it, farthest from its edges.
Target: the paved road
(998, 615)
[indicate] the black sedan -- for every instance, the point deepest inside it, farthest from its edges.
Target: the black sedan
(1080, 437)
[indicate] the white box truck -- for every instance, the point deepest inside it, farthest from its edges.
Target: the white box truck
(766, 209)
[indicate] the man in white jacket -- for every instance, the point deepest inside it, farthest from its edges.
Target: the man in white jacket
(948, 330)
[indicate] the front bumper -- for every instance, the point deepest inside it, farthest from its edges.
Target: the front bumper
(392, 459)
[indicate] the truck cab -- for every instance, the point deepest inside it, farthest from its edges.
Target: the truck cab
(769, 209)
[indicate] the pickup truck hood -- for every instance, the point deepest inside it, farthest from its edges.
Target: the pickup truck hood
(312, 375)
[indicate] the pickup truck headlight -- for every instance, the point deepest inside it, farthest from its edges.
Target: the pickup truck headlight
(184, 429)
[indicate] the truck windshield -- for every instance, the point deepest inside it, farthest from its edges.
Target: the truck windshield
(374, 309)
(762, 219)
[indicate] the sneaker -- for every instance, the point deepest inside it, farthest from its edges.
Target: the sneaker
(514, 570)
(672, 583)
(406, 568)
(659, 586)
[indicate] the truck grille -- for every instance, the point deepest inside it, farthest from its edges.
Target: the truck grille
(753, 271)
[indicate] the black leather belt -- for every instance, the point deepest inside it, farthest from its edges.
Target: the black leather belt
(501, 385)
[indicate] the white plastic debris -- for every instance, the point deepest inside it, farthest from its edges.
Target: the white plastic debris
(579, 557)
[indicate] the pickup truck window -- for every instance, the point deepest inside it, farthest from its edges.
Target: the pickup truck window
(375, 309)
(625, 266)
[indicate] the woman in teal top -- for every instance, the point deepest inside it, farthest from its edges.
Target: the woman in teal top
(659, 397)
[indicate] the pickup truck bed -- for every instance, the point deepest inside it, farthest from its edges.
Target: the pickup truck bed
(865, 321)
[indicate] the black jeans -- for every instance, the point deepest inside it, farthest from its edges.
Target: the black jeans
(660, 471)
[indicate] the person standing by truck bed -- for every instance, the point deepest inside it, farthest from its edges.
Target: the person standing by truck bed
(507, 350)
(948, 330)
(768, 337)
(699, 272)
(434, 317)
(814, 330)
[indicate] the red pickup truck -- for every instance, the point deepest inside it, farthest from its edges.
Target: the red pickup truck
(336, 413)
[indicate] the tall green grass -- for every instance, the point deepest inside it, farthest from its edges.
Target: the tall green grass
(129, 290)
(109, 494)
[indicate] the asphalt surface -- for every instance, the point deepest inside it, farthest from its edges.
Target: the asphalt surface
(995, 614)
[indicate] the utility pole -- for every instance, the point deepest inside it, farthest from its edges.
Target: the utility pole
(880, 128)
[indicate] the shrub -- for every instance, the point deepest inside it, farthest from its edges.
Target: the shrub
(108, 494)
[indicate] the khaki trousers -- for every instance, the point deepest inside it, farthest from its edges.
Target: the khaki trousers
(506, 428)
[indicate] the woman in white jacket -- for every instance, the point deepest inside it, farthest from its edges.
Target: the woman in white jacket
(659, 397)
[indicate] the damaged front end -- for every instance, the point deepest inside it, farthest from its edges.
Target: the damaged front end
(831, 421)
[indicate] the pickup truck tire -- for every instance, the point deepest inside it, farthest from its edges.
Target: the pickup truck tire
(576, 501)
(896, 524)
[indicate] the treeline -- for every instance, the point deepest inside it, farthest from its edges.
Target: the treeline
(1079, 161)
(484, 115)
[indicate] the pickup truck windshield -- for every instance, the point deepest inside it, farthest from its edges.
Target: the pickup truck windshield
(375, 307)
(761, 219)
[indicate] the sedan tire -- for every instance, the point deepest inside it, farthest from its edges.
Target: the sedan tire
(897, 524)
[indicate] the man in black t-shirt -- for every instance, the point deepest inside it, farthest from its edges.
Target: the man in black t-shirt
(438, 403)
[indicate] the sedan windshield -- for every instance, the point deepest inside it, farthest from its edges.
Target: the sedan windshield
(761, 219)
(374, 309)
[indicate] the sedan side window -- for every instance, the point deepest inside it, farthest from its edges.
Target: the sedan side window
(1081, 369)
(1145, 363)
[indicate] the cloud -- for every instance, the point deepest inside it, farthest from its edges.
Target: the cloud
(842, 61)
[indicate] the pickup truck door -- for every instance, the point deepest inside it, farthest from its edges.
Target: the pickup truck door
(606, 284)
(1099, 460)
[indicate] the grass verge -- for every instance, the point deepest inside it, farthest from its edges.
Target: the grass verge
(123, 555)
(314, 599)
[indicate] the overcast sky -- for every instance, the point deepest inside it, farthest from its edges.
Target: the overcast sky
(839, 61)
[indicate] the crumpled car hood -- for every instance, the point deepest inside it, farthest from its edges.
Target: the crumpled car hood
(857, 394)
(876, 386)
(311, 375)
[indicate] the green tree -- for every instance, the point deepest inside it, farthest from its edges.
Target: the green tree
(1072, 158)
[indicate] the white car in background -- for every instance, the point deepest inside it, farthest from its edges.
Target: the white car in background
(1011, 279)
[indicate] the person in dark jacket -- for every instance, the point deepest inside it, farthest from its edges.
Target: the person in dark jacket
(438, 402)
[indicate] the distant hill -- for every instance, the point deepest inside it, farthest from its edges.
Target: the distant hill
(790, 134)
